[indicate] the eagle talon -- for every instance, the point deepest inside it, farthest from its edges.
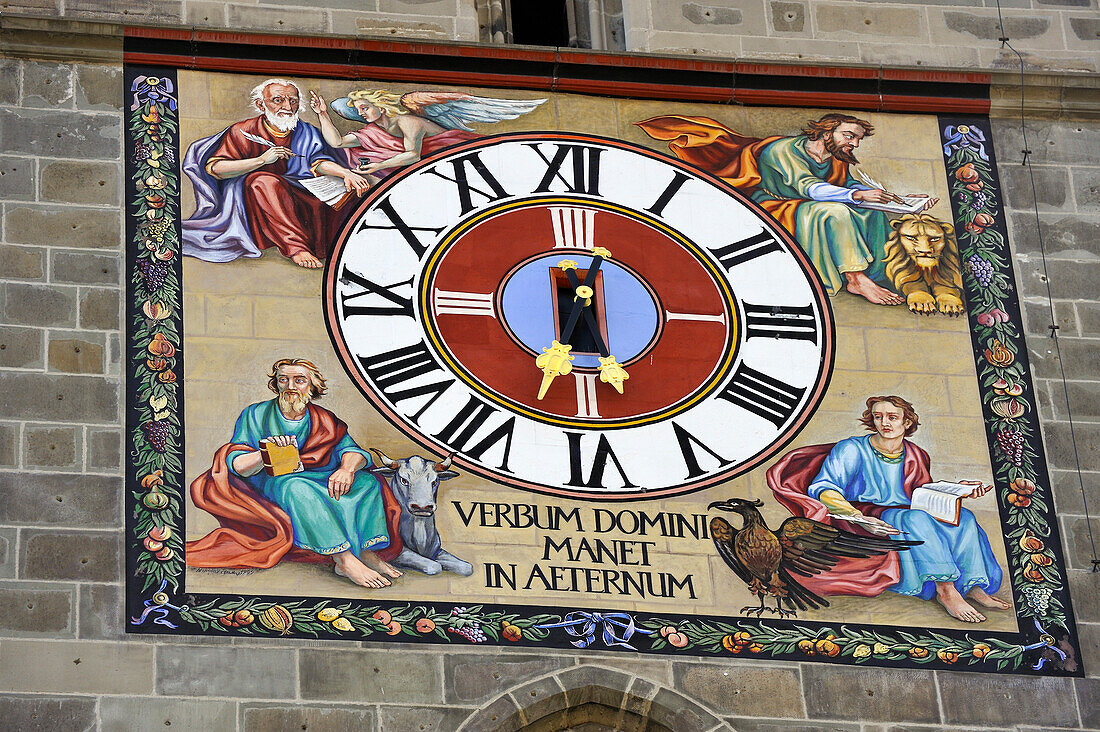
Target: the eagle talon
(754, 610)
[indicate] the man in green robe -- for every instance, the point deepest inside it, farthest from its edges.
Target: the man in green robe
(335, 506)
(804, 182)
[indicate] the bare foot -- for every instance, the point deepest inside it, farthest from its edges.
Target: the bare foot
(860, 284)
(955, 605)
(984, 599)
(305, 259)
(348, 565)
(371, 560)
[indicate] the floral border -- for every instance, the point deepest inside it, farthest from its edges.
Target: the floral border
(157, 598)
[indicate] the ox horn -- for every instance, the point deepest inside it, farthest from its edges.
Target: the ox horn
(383, 460)
(440, 467)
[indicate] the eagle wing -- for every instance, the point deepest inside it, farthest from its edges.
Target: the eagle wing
(723, 534)
(455, 110)
(811, 547)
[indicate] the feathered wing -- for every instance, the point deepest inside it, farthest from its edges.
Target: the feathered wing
(454, 110)
(723, 533)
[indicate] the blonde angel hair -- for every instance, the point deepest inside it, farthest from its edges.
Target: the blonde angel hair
(387, 101)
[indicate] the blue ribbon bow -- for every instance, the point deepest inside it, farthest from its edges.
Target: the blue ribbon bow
(154, 89)
(1046, 640)
(964, 136)
(158, 606)
(582, 625)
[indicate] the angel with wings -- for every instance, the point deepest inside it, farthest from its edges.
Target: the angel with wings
(400, 129)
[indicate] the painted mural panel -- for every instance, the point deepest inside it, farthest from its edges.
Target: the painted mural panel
(457, 365)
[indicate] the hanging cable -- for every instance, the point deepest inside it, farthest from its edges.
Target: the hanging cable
(1050, 298)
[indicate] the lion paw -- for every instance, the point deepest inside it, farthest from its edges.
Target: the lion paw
(921, 302)
(949, 304)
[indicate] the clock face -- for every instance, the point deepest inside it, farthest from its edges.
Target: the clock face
(579, 316)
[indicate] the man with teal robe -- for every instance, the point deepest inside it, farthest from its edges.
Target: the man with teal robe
(335, 506)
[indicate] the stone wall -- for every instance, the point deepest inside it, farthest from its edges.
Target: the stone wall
(64, 661)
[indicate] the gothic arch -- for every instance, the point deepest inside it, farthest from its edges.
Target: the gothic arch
(592, 698)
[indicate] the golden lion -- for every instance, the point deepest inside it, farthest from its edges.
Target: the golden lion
(922, 260)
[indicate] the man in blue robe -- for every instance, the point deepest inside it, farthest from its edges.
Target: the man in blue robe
(872, 477)
(334, 505)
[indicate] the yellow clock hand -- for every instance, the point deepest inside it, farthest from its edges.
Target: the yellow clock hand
(554, 362)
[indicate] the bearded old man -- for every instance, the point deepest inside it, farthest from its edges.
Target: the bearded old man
(805, 183)
(335, 507)
(248, 190)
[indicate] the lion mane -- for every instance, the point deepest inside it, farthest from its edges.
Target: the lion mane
(927, 287)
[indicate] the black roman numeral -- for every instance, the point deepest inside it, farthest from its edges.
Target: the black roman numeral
(461, 430)
(762, 395)
(742, 251)
(658, 207)
(393, 368)
(409, 232)
(462, 180)
(583, 174)
(686, 440)
(781, 321)
(351, 303)
(599, 463)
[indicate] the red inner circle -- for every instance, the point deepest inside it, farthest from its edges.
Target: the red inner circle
(680, 362)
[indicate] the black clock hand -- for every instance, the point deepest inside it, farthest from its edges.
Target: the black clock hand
(583, 297)
(596, 335)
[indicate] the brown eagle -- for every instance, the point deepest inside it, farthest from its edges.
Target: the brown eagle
(766, 559)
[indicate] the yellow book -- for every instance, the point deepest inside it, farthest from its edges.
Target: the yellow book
(279, 460)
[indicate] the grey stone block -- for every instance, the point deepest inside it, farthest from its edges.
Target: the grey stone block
(982, 699)
(99, 309)
(76, 355)
(48, 713)
(1049, 142)
(28, 610)
(60, 134)
(103, 449)
(20, 348)
(9, 81)
(1051, 189)
(746, 691)
(83, 228)
(446, 8)
(57, 397)
(1086, 189)
(212, 671)
(788, 17)
(98, 87)
(50, 447)
(594, 685)
(718, 17)
(711, 14)
(501, 714)
(17, 176)
(540, 699)
(71, 555)
(39, 305)
(988, 28)
(1066, 486)
(315, 719)
(677, 712)
(22, 263)
(126, 11)
(867, 20)
(76, 667)
(84, 269)
(885, 695)
(101, 612)
(473, 679)
(1088, 700)
(1038, 318)
(47, 85)
(284, 20)
(1087, 29)
(1069, 280)
(1069, 235)
(421, 718)
(9, 442)
(1077, 355)
(81, 182)
(1059, 445)
(122, 714)
(743, 724)
(403, 678)
(1078, 548)
(1067, 3)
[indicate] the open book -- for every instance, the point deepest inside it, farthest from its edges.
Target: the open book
(909, 204)
(942, 500)
(280, 460)
(328, 188)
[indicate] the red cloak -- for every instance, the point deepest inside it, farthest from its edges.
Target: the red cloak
(791, 477)
(255, 532)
